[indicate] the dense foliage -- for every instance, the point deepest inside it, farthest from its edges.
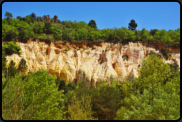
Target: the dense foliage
(11, 48)
(154, 95)
(35, 98)
(24, 28)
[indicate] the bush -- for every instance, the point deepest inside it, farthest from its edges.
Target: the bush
(66, 48)
(50, 37)
(165, 52)
(61, 84)
(11, 48)
(42, 36)
(174, 66)
(80, 109)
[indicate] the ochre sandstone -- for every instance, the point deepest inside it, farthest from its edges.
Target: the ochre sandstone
(89, 62)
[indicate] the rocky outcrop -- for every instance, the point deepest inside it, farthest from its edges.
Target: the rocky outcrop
(89, 62)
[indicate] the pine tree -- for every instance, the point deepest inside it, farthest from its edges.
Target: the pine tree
(22, 67)
(12, 71)
(92, 24)
(132, 25)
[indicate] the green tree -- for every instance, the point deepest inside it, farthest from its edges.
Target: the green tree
(38, 27)
(69, 87)
(12, 71)
(11, 34)
(58, 34)
(153, 31)
(132, 25)
(165, 52)
(154, 94)
(11, 48)
(92, 24)
(145, 34)
(106, 110)
(165, 107)
(60, 83)
(33, 15)
(80, 109)
(35, 98)
(174, 66)
(8, 15)
(153, 71)
(22, 67)
(47, 27)
(25, 34)
(19, 17)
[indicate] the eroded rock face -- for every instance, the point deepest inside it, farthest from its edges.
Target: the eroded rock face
(91, 63)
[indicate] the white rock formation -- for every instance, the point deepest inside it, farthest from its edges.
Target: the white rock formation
(103, 62)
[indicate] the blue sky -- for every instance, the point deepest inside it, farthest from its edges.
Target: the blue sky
(148, 15)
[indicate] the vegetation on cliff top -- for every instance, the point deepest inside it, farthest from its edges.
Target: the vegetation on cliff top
(24, 28)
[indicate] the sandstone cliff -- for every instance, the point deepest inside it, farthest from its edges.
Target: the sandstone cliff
(89, 62)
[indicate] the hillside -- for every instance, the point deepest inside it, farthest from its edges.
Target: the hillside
(88, 61)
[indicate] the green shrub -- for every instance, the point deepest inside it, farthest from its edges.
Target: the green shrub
(66, 48)
(50, 37)
(11, 48)
(80, 109)
(165, 52)
(22, 67)
(174, 66)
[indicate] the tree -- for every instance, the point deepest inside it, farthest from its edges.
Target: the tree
(60, 83)
(12, 71)
(153, 31)
(174, 66)
(153, 72)
(92, 24)
(38, 27)
(157, 100)
(33, 15)
(165, 52)
(69, 87)
(132, 25)
(22, 67)
(25, 31)
(138, 107)
(12, 34)
(35, 98)
(47, 27)
(8, 15)
(80, 109)
(19, 17)
(11, 48)
(28, 20)
(144, 34)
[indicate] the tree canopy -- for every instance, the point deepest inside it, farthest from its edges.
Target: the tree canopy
(132, 25)
(92, 24)
(30, 26)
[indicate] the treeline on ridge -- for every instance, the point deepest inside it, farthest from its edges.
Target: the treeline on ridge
(24, 28)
